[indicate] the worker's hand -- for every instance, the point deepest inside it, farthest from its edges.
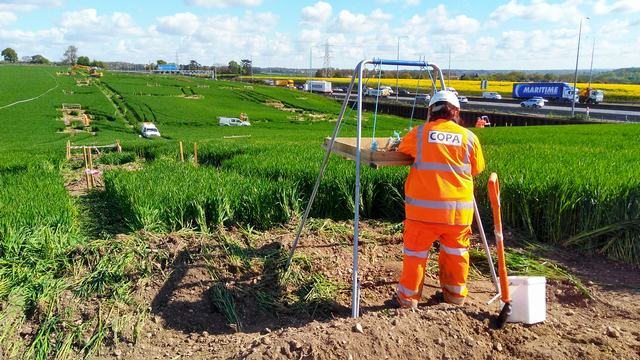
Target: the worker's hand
(393, 145)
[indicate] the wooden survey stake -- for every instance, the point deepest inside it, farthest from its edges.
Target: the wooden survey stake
(195, 153)
(86, 167)
(90, 154)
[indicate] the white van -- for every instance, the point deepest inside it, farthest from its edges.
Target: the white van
(382, 92)
(226, 121)
(491, 95)
(149, 130)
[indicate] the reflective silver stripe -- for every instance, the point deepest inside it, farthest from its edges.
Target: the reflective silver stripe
(419, 152)
(467, 154)
(403, 301)
(448, 205)
(406, 291)
(455, 289)
(453, 251)
(462, 169)
(418, 254)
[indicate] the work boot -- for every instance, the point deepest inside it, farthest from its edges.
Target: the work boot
(404, 303)
(454, 300)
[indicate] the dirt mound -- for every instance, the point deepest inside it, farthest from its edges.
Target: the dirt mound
(187, 321)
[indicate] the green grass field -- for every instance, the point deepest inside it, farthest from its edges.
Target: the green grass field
(567, 185)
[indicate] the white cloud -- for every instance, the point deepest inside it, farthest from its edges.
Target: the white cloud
(215, 28)
(310, 36)
(615, 29)
(87, 24)
(7, 18)
(412, 2)
(456, 24)
(222, 3)
(80, 18)
(438, 19)
(539, 10)
(604, 7)
(32, 39)
(317, 13)
(349, 22)
(379, 15)
(27, 5)
(179, 24)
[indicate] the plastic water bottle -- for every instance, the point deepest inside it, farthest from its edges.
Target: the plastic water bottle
(374, 145)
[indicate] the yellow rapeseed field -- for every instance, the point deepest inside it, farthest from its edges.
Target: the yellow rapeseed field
(612, 92)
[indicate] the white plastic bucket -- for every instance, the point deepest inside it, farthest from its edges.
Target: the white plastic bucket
(528, 299)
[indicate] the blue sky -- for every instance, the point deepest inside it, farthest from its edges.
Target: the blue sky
(507, 34)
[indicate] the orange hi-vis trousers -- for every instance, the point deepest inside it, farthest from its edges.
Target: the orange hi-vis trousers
(453, 260)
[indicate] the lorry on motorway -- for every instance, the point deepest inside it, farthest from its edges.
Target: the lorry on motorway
(557, 92)
(285, 83)
(318, 86)
(591, 96)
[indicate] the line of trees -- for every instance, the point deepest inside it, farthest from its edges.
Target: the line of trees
(11, 56)
(244, 67)
(70, 57)
(618, 76)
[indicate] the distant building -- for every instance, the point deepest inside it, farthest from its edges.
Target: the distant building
(167, 68)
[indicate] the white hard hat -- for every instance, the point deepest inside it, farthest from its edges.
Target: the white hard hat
(446, 96)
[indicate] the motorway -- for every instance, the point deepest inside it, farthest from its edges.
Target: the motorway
(599, 114)
(627, 114)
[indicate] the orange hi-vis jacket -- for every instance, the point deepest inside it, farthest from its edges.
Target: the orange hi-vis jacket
(439, 188)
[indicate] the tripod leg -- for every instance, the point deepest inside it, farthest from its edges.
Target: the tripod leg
(485, 244)
(323, 167)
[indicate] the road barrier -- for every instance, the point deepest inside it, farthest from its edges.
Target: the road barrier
(469, 116)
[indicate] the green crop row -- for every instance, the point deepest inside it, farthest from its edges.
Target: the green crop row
(167, 196)
(561, 187)
(33, 198)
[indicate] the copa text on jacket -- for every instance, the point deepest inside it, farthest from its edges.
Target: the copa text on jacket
(445, 138)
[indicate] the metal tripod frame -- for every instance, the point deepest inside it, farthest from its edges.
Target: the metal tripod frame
(358, 74)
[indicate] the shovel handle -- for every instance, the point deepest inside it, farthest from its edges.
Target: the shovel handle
(494, 198)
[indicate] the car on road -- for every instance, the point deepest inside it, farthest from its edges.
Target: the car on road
(388, 88)
(463, 99)
(533, 103)
(381, 92)
(227, 121)
(404, 92)
(339, 89)
(149, 130)
(423, 98)
(491, 95)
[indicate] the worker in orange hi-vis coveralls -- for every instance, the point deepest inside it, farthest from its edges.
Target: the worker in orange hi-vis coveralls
(439, 200)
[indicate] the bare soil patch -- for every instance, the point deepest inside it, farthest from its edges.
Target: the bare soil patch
(184, 323)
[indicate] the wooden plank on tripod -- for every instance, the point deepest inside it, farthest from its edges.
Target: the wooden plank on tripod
(346, 147)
